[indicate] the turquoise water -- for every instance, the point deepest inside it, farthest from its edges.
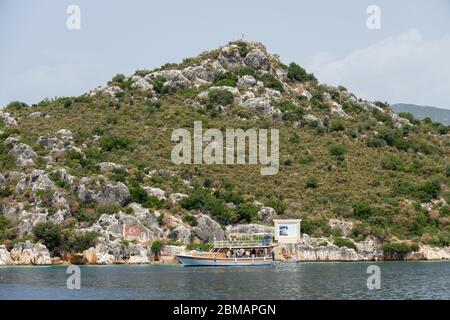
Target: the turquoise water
(399, 280)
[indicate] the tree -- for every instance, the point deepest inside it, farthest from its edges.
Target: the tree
(297, 73)
(156, 248)
(49, 233)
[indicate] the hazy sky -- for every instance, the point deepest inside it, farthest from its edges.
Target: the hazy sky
(407, 60)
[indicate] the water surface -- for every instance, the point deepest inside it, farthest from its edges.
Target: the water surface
(399, 280)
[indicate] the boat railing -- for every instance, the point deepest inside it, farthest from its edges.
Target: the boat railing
(242, 243)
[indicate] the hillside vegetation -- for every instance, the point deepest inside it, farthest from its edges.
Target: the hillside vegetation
(67, 161)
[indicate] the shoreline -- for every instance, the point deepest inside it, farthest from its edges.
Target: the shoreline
(276, 262)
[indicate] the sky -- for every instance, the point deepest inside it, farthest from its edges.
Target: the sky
(405, 60)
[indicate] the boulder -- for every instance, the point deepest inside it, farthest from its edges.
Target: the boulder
(116, 194)
(246, 82)
(207, 229)
(257, 59)
(144, 215)
(345, 227)
(30, 253)
(138, 254)
(175, 197)
(5, 256)
(65, 134)
(337, 110)
(262, 105)
(195, 73)
(141, 84)
(230, 57)
(37, 114)
(182, 234)
(109, 166)
(111, 90)
(7, 119)
(24, 153)
(267, 214)
(156, 192)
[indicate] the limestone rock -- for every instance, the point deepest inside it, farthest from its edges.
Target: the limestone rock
(246, 82)
(345, 227)
(156, 192)
(24, 153)
(141, 84)
(5, 256)
(267, 214)
(257, 59)
(7, 119)
(30, 253)
(207, 229)
(175, 197)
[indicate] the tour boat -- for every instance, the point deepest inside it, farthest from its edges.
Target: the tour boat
(233, 252)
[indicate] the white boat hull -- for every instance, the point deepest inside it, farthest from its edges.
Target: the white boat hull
(192, 261)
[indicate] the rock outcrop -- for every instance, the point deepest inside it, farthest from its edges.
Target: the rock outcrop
(25, 253)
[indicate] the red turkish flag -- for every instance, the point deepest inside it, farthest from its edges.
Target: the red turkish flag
(132, 231)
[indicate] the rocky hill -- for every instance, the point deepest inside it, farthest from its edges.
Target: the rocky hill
(423, 112)
(78, 172)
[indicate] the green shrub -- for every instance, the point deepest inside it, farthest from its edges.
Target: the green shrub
(362, 210)
(445, 211)
(119, 78)
(221, 97)
(398, 248)
(109, 143)
(49, 234)
(376, 143)
(394, 138)
(338, 151)
(190, 219)
(85, 214)
(246, 212)
(277, 205)
(423, 192)
(392, 162)
(46, 196)
(67, 103)
(57, 179)
(16, 105)
(201, 199)
(160, 87)
(343, 242)
(81, 242)
(272, 82)
(290, 110)
(337, 125)
(248, 71)
(409, 116)
(297, 73)
(243, 48)
(107, 209)
(311, 182)
(226, 79)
